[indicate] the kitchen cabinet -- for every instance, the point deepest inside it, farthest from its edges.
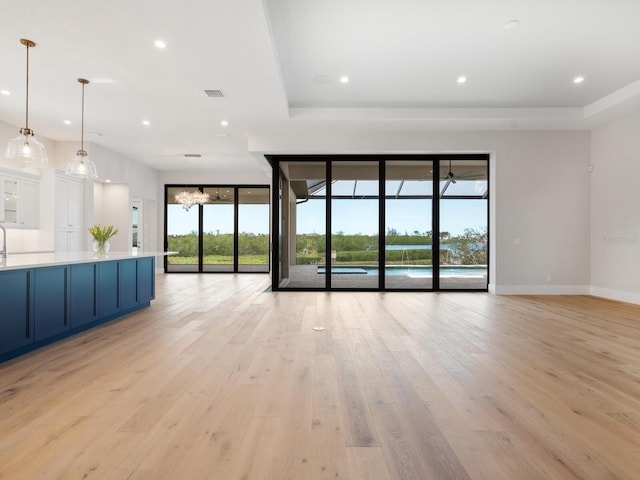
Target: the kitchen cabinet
(137, 282)
(16, 299)
(68, 240)
(51, 300)
(83, 301)
(69, 211)
(129, 283)
(108, 288)
(19, 202)
(146, 279)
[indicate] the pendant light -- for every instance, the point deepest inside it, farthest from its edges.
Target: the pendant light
(80, 165)
(25, 148)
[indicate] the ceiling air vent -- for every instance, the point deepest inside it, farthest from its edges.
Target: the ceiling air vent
(214, 93)
(192, 155)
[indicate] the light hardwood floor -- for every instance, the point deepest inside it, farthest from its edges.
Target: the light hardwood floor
(219, 379)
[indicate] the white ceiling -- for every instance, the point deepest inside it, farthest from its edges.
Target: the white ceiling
(278, 63)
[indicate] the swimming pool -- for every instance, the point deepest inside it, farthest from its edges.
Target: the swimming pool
(457, 271)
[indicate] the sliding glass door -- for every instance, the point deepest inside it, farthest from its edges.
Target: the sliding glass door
(431, 210)
(302, 223)
(228, 233)
(408, 229)
(182, 234)
(218, 230)
(464, 224)
(253, 229)
(355, 202)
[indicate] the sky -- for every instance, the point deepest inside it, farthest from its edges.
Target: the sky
(405, 215)
(350, 216)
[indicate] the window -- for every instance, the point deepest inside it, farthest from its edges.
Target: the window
(392, 225)
(229, 233)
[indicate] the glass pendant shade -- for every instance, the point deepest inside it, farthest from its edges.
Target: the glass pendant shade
(26, 149)
(81, 166)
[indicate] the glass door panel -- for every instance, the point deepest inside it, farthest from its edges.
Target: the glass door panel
(408, 227)
(10, 192)
(283, 276)
(182, 234)
(306, 219)
(354, 259)
(253, 229)
(463, 224)
(217, 230)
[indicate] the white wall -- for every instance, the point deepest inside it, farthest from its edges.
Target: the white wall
(615, 209)
(112, 207)
(129, 179)
(540, 195)
(577, 227)
(140, 181)
(230, 177)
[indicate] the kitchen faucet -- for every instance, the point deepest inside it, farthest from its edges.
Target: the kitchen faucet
(4, 242)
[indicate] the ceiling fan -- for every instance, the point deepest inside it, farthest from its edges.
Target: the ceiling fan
(470, 173)
(449, 179)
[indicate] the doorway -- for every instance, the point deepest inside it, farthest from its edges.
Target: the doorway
(137, 221)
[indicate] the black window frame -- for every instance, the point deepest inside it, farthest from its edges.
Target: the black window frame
(276, 160)
(236, 203)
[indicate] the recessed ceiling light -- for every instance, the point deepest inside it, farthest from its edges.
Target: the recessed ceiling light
(5, 92)
(461, 79)
(146, 123)
(67, 122)
(344, 79)
(578, 79)
(160, 44)
(511, 24)
(224, 123)
(107, 180)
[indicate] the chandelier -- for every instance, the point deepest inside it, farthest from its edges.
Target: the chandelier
(25, 147)
(189, 199)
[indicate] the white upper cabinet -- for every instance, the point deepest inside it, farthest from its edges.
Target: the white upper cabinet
(19, 202)
(69, 201)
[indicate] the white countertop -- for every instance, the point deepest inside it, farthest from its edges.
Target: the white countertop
(17, 261)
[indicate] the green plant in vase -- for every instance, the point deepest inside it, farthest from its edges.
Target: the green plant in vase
(101, 236)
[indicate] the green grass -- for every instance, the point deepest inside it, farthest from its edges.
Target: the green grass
(220, 260)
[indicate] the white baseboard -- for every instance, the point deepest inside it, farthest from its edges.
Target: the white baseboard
(540, 289)
(619, 295)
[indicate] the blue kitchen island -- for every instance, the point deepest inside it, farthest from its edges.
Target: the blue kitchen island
(46, 296)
